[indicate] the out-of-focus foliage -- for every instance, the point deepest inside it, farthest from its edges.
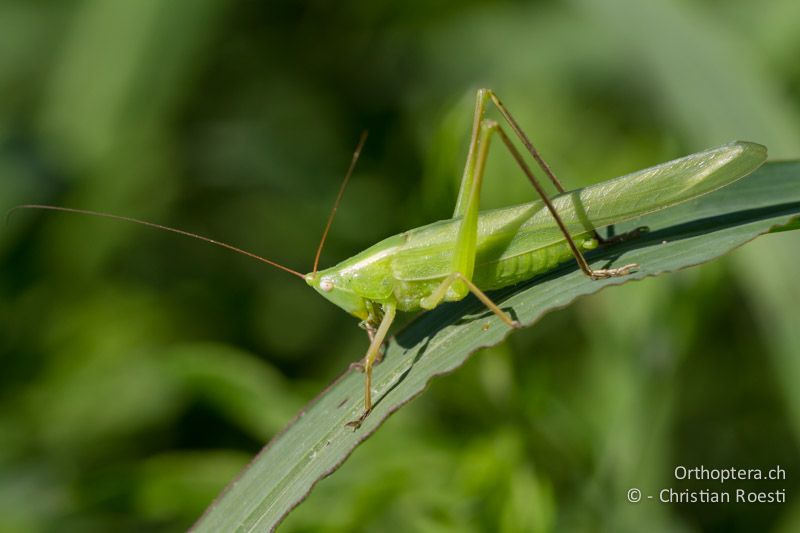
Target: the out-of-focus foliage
(141, 371)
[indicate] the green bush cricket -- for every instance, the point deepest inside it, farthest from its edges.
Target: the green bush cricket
(475, 251)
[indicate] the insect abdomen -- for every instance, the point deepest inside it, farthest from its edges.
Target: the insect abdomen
(503, 272)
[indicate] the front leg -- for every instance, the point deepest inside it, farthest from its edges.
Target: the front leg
(369, 325)
(373, 353)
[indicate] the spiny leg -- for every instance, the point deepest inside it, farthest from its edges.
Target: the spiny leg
(373, 353)
(467, 207)
(488, 93)
(584, 265)
(468, 200)
(481, 98)
(469, 168)
(525, 140)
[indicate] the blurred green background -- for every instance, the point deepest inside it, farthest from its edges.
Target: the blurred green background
(140, 371)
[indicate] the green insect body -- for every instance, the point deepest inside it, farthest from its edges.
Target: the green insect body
(517, 243)
(406, 268)
(478, 251)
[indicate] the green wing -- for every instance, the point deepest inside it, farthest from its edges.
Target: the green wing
(509, 232)
(661, 186)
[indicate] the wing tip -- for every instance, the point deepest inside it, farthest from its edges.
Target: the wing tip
(754, 149)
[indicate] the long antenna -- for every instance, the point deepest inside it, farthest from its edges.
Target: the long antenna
(353, 161)
(157, 226)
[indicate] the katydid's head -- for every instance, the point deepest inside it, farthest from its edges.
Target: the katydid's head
(335, 288)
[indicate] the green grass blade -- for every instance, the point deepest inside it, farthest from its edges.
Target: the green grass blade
(317, 441)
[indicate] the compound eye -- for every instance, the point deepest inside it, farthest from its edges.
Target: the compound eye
(326, 284)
